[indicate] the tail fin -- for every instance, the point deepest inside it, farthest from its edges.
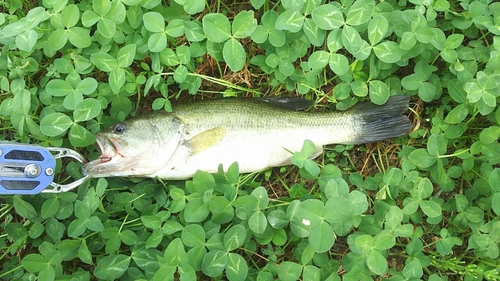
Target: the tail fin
(380, 122)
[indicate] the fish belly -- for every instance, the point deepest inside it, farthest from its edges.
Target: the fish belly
(253, 152)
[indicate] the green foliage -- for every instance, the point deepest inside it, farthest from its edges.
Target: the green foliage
(67, 70)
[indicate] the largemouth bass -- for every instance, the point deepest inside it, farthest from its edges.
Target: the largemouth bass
(258, 135)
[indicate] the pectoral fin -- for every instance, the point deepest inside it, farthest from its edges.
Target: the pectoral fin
(205, 140)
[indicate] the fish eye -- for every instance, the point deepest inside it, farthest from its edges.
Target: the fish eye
(119, 128)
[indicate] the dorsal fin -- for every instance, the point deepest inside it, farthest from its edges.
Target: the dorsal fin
(290, 103)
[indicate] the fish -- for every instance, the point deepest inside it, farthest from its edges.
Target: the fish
(256, 133)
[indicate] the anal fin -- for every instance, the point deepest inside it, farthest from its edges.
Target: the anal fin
(317, 152)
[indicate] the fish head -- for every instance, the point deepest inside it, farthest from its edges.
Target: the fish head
(137, 147)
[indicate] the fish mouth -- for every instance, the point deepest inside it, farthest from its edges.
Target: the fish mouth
(108, 149)
(108, 162)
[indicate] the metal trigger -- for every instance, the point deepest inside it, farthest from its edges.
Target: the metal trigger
(61, 153)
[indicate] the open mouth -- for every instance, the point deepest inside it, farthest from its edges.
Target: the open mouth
(108, 149)
(104, 165)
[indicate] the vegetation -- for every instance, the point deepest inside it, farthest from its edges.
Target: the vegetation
(424, 206)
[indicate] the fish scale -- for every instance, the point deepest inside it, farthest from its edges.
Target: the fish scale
(247, 114)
